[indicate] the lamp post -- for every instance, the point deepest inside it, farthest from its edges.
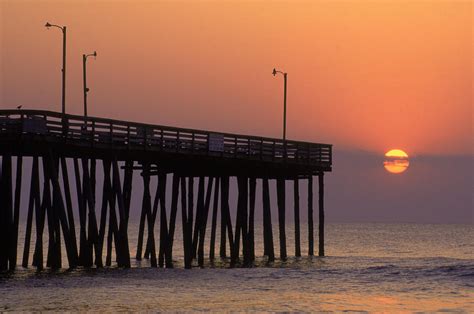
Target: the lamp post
(285, 76)
(63, 29)
(86, 89)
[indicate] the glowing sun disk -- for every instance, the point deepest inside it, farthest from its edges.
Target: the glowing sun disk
(396, 153)
(396, 161)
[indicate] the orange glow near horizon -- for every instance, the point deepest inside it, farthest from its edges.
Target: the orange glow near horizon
(361, 74)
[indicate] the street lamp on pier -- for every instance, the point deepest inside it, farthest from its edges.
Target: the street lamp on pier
(285, 76)
(86, 89)
(63, 29)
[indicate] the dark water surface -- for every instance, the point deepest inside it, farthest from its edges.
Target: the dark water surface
(369, 267)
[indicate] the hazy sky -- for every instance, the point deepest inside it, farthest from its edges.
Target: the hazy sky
(366, 76)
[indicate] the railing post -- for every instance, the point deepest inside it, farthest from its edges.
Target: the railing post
(162, 144)
(235, 146)
(93, 133)
(248, 147)
(128, 136)
(177, 142)
(274, 152)
(111, 132)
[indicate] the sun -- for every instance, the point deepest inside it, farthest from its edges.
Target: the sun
(396, 161)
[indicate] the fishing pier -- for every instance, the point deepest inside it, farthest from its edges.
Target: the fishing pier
(65, 151)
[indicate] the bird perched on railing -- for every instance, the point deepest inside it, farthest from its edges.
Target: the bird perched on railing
(19, 107)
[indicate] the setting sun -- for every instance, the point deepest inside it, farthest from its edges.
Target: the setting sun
(396, 161)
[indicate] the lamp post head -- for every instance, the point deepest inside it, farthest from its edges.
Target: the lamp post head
(274, 72)
(47, 25)
(95, 54)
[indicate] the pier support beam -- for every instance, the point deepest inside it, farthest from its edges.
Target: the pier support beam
(297, 217)
(267, 222)
(16, 213)
(321, 213)
(251, 231)
(203, 222)
(310, 217)
(214, 220)
(163, 220)
(33, 206)
(173, 214)
(281, 216)
(6, 207)
(226, 222)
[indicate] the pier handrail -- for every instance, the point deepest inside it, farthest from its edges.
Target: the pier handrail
(96, 131)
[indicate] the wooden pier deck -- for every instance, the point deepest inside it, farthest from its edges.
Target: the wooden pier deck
(53, 140)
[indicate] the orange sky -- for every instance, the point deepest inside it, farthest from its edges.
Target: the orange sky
(368, 75)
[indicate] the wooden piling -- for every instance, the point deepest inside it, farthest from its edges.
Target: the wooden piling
(310, 217)
(154, 213)
(238, 222)
(214, 220)
(16, 214)
(40, 219)
(226, 217)
(163, 220)
(199, 215)
(203, 222)
(251, 231)
(147, 208)
(189, 225)
(92, 231)
(173, 214)
(267, 222)
(69, 207)
(60, 211)
(53, 259)
(296, 198)
(112, 233)
(146, 194)
(321, 213)
(281, 216)
(33, 205)
(244, 220)
(123, 224)
(222, 251)
(6, 207)
(184, 222)
(83, 247)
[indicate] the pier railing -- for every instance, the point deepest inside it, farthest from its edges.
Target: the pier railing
(97, 132)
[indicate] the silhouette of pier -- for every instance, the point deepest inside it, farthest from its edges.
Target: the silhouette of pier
(53, 141)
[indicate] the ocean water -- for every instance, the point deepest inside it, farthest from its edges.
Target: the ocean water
(368, 267)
